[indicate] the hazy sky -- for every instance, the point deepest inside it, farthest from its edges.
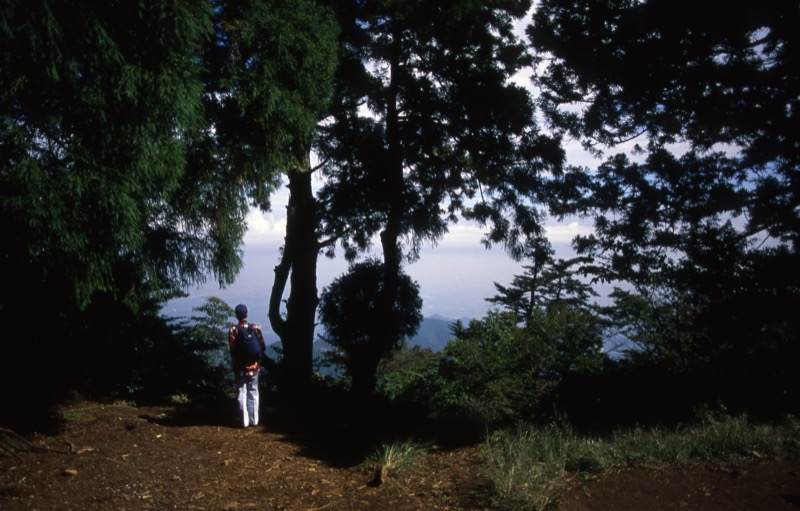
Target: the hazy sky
(455, 276)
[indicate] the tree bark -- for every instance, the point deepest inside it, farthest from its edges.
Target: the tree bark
(395, 187)
(298, 267)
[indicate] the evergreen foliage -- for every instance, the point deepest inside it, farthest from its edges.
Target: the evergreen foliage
(700, 222)
(427, 124)
(94, 119)
(135, 137)
(271, 84)
(413, 375)
(354, 326)
(500, 369)
(546, 282)
(426, 127)
(203, 338)
(509, 371)
(93, 124)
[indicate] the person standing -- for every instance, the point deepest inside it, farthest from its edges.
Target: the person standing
(247, 345)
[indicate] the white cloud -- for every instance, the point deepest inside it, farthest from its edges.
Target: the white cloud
(270, 229)
(563, 233)
(464, 234)
(469, 235)
(265, 228)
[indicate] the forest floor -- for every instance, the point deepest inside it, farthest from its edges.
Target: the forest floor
(114, 457)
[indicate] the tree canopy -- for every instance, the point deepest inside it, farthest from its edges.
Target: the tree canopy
(94, 119)
(427, 126)
(702, 217)
(135, 137)
(354, 324)
(718, 83)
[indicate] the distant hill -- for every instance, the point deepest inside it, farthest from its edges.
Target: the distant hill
(434, 333)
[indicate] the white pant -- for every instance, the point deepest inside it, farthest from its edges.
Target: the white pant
(247, 395)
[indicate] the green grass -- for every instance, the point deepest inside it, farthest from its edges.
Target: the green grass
(84, 412)
(394, 457)
(79, 413)
(528, 467)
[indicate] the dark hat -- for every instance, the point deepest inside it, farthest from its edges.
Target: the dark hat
(241, 311)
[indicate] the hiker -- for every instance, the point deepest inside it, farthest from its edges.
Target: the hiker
(246, 344)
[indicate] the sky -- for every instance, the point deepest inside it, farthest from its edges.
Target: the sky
(455, 276)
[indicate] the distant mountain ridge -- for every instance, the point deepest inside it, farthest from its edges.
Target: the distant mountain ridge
(433, 333)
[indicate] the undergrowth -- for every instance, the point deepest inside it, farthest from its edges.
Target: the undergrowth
(529, 466)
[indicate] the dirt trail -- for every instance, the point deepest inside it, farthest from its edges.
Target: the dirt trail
(120, 457)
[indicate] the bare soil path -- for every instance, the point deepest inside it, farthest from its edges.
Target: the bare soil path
(120, 457)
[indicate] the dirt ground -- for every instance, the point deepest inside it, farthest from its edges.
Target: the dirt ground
(114, 457)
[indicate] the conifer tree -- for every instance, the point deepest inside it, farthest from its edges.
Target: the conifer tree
(95, 120)
(135, 136)
(427, 126)
(275, 64)
(702, 218)
(353, 326)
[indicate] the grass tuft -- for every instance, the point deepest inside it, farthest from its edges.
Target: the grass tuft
(393, 458)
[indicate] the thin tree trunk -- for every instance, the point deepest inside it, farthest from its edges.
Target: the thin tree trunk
(298, 266)
(395, 186)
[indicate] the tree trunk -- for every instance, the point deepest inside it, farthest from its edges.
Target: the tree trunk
(298, 266)
(395, 187)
